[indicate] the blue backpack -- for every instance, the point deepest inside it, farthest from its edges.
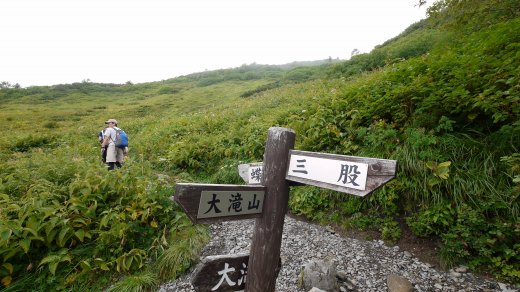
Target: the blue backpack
(121, 139)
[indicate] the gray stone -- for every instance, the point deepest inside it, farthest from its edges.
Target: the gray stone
(455, 274)
(397, 283)
(320, 274)
(366, 264)
(349, 286)
(461, 269)
(504, 288)
(342, 276)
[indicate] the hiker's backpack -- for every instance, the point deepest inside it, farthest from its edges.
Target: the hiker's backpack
(121, 139)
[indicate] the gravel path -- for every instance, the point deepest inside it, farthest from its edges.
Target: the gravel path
(365, 263)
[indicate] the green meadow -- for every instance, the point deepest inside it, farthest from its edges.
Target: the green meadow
(442, 98)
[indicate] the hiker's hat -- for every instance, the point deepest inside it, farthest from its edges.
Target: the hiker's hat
(111, 121)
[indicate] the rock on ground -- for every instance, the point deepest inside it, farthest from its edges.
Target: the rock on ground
(365, 264)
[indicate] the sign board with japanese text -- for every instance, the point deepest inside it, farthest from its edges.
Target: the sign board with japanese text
(206, 203)
(251, 173)
(222, 273)
(349, 174)
(266, 198)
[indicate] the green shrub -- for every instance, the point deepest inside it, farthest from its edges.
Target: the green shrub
(50, 125)
(350, 205)
(227, 174)
(26, 143)
(390, 231)
(100, 222)
(479, 241)
(387, 227)
(435, 220)
(261, 88)
(167, 90)
(361, 221)
(310, 202)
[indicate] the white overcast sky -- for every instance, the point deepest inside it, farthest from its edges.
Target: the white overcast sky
(46, 42)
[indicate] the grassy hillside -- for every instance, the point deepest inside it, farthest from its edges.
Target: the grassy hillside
(442, 98)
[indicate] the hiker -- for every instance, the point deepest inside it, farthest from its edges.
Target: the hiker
(101, 137)
(114, 154)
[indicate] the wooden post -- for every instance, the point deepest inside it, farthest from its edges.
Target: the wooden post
(267, 236)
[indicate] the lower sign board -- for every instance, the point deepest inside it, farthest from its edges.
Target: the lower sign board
(222, 273)
(349, 174)
(211, 203)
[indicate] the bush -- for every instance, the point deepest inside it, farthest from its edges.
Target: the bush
(167, 90)
(390, 231)
(29, 142)
(479, 241)
(434, 220)
(97, 222)
(311, 202)
(261, 88)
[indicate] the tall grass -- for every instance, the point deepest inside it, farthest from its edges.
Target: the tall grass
(143, 282)
(182, 253)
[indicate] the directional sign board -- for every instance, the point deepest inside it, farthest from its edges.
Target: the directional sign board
(282, 167)
(349, 174)
(212, 203)
(222, 273)
(251, 173)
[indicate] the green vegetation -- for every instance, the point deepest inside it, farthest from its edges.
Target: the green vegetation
(443, 99)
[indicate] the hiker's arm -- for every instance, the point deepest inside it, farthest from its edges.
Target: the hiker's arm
(105, 141)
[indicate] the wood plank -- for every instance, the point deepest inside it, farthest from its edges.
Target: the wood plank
(251, 173)
(209, 273)
(244, 170)
(188, 196)
(328, 173)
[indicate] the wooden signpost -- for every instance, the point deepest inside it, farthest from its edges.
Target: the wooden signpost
(251, 173)
(206, 203)
(348, 174)
(231, 273)
(267, 236)
(266, 199)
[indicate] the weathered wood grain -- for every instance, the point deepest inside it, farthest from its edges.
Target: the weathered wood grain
(267, 236)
